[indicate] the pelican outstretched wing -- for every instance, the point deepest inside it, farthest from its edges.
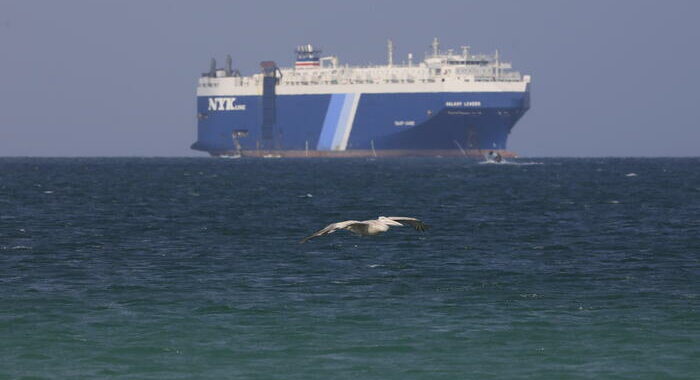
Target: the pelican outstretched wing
(413, 222)
(330, 229)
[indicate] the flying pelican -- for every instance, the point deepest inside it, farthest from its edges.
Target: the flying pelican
(369, 227)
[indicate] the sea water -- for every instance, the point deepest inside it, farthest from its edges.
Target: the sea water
(192, 268)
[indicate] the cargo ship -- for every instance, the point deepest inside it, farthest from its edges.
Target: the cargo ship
(450, 103)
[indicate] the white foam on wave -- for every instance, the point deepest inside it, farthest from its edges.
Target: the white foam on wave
(530, 295)
(512, 163)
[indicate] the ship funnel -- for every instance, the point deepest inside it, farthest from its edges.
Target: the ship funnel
(307, 57)
(229, 64)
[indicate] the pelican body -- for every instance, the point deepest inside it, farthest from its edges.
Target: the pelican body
(369, 227)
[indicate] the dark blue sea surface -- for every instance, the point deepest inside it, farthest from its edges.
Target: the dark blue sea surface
(192, 268)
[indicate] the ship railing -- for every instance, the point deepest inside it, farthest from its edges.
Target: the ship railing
(377, 80)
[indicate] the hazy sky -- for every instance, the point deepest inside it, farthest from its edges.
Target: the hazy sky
(104, 78)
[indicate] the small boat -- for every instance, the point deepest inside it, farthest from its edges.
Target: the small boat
(494, 157)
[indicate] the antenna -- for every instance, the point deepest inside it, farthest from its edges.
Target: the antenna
(390, 52)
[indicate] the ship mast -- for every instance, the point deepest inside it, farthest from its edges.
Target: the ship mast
(498, 65)
(436, 47)
(465, 52)
(390, 52)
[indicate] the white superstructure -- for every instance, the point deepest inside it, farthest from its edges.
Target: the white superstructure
(439, 72)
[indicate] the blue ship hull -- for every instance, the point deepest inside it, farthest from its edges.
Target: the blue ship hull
(402, 121)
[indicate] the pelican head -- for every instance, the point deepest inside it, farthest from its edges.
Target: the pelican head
(388, 222)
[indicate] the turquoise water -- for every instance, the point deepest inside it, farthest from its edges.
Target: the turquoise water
(191, 268)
